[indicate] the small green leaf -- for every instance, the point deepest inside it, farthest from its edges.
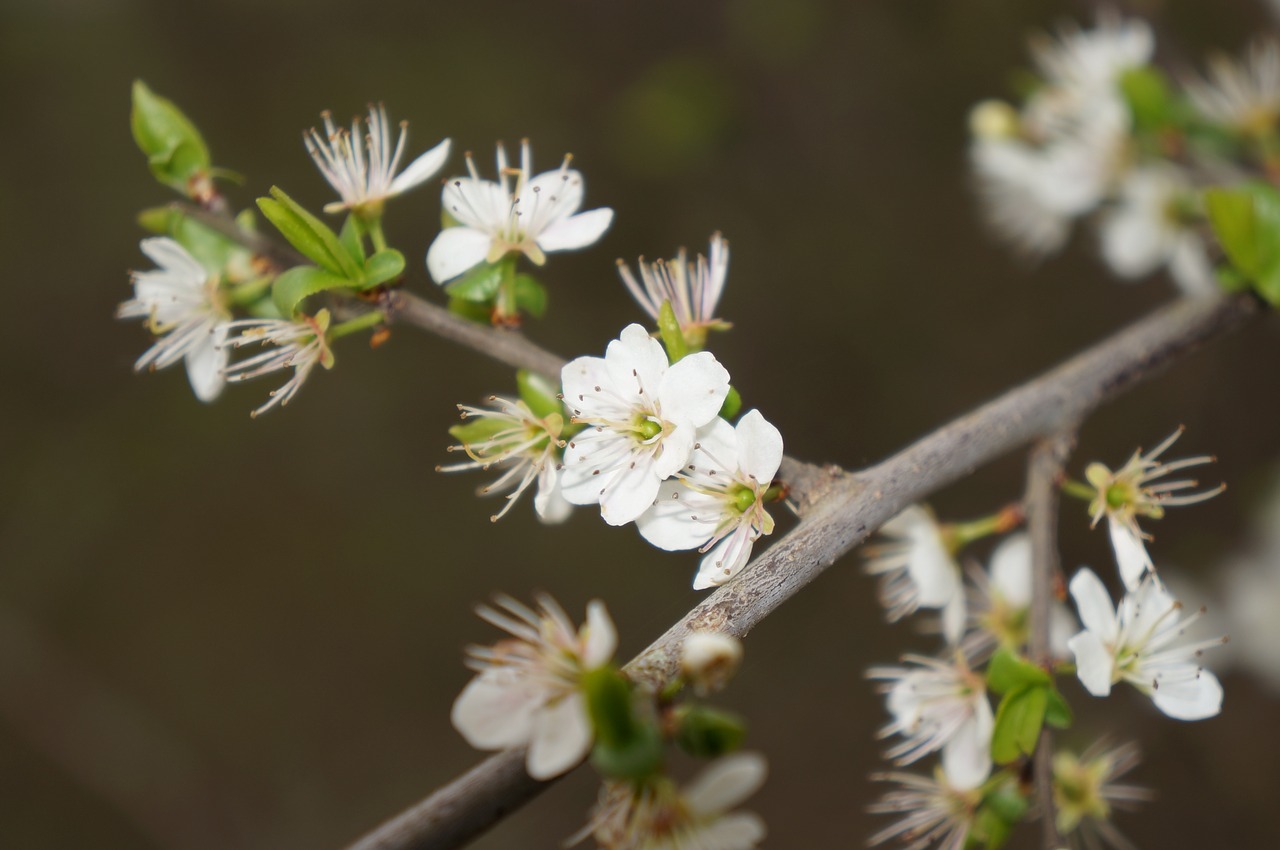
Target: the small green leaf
(539, 393)
(531, 296)
(384, 266)
(352, 239)
(1008, 671)
(672, 335)
(634, 761)
(311, 236)
(991, 830)
(705, 732)
(173, 146)
(1147, 92)
(732, 404)
(480, 285)
(1018, 722)
(297, 283)
(1057, 713)
(1006, 802)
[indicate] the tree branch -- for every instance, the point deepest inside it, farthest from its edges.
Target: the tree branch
(838, 510)
(1044, 471)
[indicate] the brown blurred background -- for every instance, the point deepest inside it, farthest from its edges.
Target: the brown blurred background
(224, 633)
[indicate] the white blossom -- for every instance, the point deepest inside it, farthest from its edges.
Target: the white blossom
(643, 417)
(935, 812)
(1001, 612)
(1139, 643)
(939, 705)
(364, 175)
(527, 690)
(525, 447)
(1091, 62)
(297, 344)
(709, 659)
(532, 215)
(1086, 793)
(693, 289)
(918, 571)
(179, 303)
(660, 816)
(1243, 95)
(715, 503)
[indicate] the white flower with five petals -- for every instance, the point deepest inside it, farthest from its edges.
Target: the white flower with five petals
(1135, 643)
(643, 416)
(534, 215)
(716, 502)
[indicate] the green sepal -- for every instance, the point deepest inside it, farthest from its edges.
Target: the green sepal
(531, 296)
(470, 310)
(1008, 671)
(1018, 722)
(155, 219)
(705, 732)
(478, 429)
(732, 404)
(382, 267)
(351, 237)
(175, 151)
(635, 761)
(539, 393)
(626, 747)
(1057, 712)
(990, 831)
(672, 335)
(1001, 811)
(309, 235)
(1006, 802)
(299, 282)
(479, 285)
(1147, 92)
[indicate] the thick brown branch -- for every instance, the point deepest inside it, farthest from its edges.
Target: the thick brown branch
(838, 511)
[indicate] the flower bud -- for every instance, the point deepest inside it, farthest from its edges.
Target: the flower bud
(709, 660)
(993, 119)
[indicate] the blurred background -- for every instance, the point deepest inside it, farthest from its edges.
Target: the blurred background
(235, 634)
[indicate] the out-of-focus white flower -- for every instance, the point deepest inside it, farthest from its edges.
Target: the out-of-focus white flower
(1085, 793)
(1243, 95)
(939, 705)
(1135, 644)
(299, 344)
(643, 417)
(1002, 607)
(179, 303)
(716, 502)
(534, 216)
(364, 175)
(918, 571)
(709, 660)
(693, 289)
(935, 813)
(525, 447)
(1128, 493)
(1146, 230)
(1091, 62)
(527, 690)
(660, 816)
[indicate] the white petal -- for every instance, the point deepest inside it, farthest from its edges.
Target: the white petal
(550, 197)
(671, 525)
(636, 364)
(552, 507)
(676, 449)
(759, 447)
(725, 559)
(966, 758)
(694, 389)
(478, 204)
(495, 711)
(576, 231)
(1133, 244)
(1011, 570)
(734, 831)
(953, 616)
(579, 482)
(455, 250)
(602, 637)
(1062, 626)
(1095, 664)
(421, 168)
(1131, 554)
(206, 362)
(1191, 268)
(588, 389)
(932, 570)
(1094, 604)
(1195, 699)
(726, 783)
(171, 256)
(561, 737)
(629, 492)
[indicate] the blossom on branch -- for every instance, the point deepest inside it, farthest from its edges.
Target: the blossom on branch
(918, 571)
(715, 503)
(527, 690)
(299, 344)
(1001, 612)
(935, 812)
(530, 215)
(642, 418)
(1245, 96)
(179, 303)
(1085, 793)
(692, 289)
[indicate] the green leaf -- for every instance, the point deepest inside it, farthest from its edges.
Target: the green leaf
(300, 281)
(173, 146)
(1008, 671)
(672, 335)
(1057, 713)
(990, 830)
(1147, 93)
(539, 393)
(1018, 722)
(352, 239)
(479, 286)
(311, 236)
(732, 404)
(705, 732)
(384, 266)
(531, 296)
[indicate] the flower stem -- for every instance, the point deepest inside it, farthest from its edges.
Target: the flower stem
(1078, 490)
(359, 323)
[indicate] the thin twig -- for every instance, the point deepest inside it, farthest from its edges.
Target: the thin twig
(1044, 470)
(838, 511)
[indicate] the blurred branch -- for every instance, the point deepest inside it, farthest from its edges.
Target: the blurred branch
(1044, 471)
(838, 510)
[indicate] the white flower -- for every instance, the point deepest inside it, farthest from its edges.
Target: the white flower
(1126, 494)
(936, 812)
(918, 571)
(716, 502)
(659, 816)
(526, 447)
(1134, 643)
(179, 303)
(299, 345)
(1146, 230)
(1085, 792)
(1092, 61)
(534, 216)
(1003, 603)
(1243, 95)
(709, 660)
(643, 417)
(364, 175)
(527, 691)
(939, 706)
(693, 289)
